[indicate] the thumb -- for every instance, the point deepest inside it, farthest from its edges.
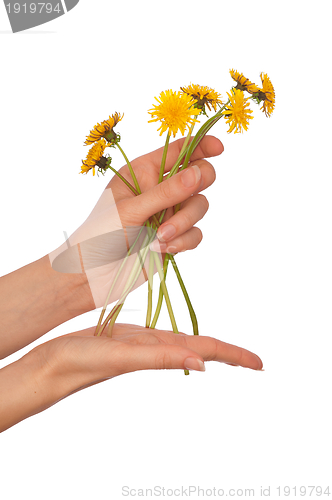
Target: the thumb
(160, 357)
(168, 193)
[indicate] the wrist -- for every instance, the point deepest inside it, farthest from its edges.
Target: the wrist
(26, 388)
(71, 291)
(35, 299)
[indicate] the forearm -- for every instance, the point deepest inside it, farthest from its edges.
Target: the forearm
(29, 386)
(35, 299)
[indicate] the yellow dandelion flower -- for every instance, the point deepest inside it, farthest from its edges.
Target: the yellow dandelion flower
(267, 95)
(242, 82)
(237, 114)
(203, 96)
(104, 129)
(95, 158)
(175, 111)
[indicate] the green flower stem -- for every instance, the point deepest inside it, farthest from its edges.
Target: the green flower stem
(109, 317)
(161, 173)
(111, 323)
(161, 295)
(197, 139)
(150, 278)
(185, 144)
(165, 292)
(124, 180)
(186, 150)
(137, 267)
(163, 160)
(176, 165)
(173, 171)
(183, 149)
(97, 333)
(192, 146)
(184, 291)
(186, 296)
(150, 288)
(134, 274)
(201, 133)
(168, 256)
(136, 193)
(130, 168)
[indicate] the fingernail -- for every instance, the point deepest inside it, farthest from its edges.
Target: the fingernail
(166, 232)
(194, 364)
(190, 176)
(260, 364)
(157, 246)
(171, 249)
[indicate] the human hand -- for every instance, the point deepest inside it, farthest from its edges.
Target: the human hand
(100, 245)
(135, 210)
(43, 298)
(82, 359)
(67, 364)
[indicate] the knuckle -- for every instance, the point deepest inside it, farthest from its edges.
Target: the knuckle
(163, 360)
(213, 349)
(164, 190)
(187, 218)
(239, 357)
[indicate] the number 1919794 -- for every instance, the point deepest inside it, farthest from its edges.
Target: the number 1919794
(33, 8)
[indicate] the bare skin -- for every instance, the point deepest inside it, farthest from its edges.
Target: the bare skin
(67, 364)
(36, 299)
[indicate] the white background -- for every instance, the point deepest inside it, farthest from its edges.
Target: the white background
(261, 279)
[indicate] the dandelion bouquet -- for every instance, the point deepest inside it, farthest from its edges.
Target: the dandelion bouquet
(176, 111)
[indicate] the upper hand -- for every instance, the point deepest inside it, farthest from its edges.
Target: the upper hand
(99, 246)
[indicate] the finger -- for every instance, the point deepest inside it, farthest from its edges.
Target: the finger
(208, 177)
(193, 211)
(212, 349)
(158, 357)
(187, 241)
(216, 350)
(164, 195)
(208, 174)
(208, 147)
